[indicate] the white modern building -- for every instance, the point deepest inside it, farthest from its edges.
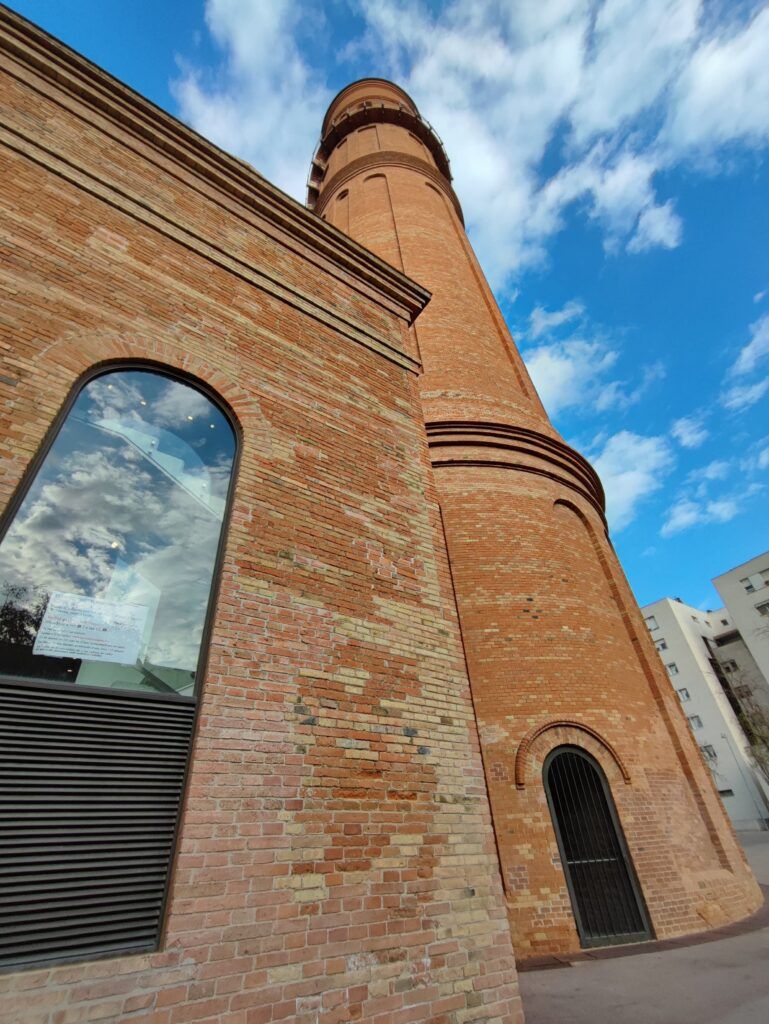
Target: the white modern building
(745, 592)
(687, 641)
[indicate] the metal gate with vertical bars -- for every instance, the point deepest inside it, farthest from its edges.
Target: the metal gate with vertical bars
(605, 895)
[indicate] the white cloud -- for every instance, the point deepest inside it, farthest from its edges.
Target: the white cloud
(689, 431)
(618, 395)
(696, 505)
(566, 373)
(631, 468)
(718, 469)
(756, 350)
(177, 403)
(680, 517)
(618, 193)
(742, 396)
(701, 479)
(722, 94)
(686, 513)
(93, 497)
(572, 372)
(266, 103)
(542, 321)
(616, 88)
(723, 510)
(657, 226)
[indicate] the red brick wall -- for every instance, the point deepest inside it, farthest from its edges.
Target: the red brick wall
(336, 860)
(547, 643)
(551, 630)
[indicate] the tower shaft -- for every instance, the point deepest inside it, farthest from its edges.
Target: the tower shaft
(557, 652)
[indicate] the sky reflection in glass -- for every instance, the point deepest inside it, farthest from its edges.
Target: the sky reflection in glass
(106, 571)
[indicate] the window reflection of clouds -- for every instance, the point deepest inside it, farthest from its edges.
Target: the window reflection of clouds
(127, 507)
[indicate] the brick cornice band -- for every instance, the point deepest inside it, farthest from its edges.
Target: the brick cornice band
(384, 158)
(72, 82)
(509, 447)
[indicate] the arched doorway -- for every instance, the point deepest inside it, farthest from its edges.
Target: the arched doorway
(605, 894)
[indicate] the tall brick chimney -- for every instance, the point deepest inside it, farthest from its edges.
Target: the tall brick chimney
(558, 654)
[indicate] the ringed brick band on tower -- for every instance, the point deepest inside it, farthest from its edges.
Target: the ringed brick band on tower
(557, 651)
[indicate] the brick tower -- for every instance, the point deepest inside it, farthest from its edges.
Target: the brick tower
(581, 733)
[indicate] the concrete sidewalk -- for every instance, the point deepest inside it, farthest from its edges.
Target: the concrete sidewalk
(722, 982)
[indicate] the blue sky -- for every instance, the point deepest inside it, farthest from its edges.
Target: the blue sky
(611, 159)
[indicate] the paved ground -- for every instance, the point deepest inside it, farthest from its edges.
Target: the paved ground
(723, 982)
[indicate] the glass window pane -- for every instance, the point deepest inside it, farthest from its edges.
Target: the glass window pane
(106, 570)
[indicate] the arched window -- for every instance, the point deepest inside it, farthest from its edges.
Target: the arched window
(107, 567)
(605, 894)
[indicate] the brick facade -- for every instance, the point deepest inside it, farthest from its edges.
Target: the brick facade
(336, 860)
(557, 650)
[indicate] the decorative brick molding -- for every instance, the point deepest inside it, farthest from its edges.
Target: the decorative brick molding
(87, 94)
(522, 754)
(385, 158)
(505, 446)
(346, 115)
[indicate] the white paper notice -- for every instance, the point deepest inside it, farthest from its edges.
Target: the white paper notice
(82, 627)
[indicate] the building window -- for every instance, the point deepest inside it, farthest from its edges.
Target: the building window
(724, 622)
(661, 644)
(729, 666)
(710, 752)
(756, 581)
(651, 622)
(695, 721)
(107, 569)
(726, 792)
(763, 609)
(672, 668)
(683, 694)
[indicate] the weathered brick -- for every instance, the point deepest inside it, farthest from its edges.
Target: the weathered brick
(318, 859)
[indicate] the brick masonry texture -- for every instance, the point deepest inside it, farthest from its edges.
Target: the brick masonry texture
(339, 858)
(336, 859)
(556, 647)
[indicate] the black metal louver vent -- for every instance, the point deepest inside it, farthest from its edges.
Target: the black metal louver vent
(90, 791)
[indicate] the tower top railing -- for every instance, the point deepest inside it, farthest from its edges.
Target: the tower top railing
(366, 112)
